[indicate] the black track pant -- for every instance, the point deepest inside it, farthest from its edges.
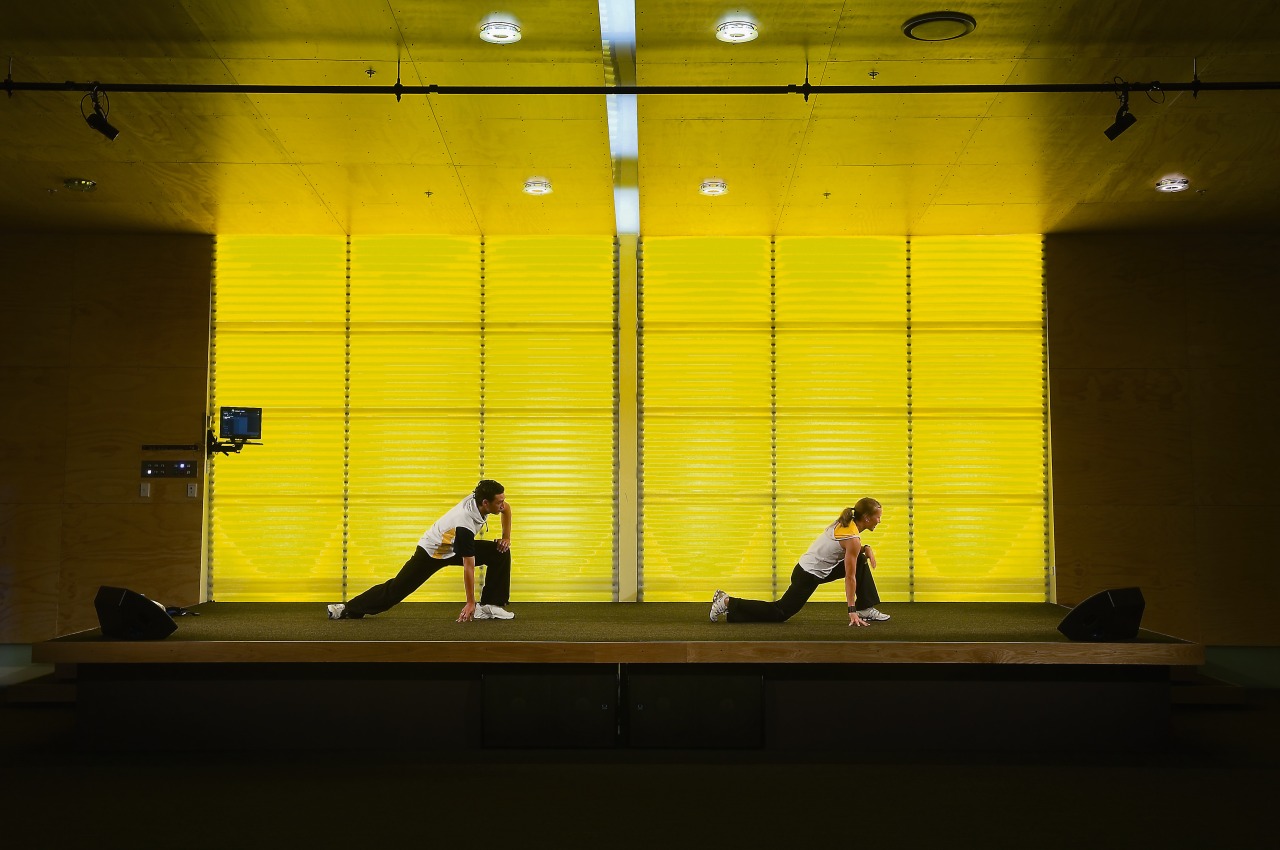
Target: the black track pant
(803, 584)
(420, 567)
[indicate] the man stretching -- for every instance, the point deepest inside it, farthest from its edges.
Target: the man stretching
(451, 540)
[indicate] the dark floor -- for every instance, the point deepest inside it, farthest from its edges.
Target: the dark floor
(1214, 782)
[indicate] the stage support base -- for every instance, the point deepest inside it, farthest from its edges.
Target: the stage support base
(467, 707)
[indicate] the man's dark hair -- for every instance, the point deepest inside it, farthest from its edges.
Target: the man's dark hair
(487, 489)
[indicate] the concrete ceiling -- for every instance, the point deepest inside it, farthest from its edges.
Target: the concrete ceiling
(835, 164)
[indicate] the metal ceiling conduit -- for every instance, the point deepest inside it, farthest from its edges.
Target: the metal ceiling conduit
(805, 89)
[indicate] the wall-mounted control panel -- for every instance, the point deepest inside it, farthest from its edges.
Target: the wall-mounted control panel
(169, 469)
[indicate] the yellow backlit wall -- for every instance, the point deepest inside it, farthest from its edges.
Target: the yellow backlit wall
(392, 378)
(779, 381)
(549, 409)
(979, 419)
(783, 380)
(276, 511)
(414, 447)
(842, 397)
(706, 401)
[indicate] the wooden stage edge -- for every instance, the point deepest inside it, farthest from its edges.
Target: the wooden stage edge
(629, 652)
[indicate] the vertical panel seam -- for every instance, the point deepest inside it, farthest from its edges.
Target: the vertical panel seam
(639, 419)
(1044, 428)
(210, 464)
(482, 355)
(346, 420)
(773, 414)
(911, 479)
(617, 424)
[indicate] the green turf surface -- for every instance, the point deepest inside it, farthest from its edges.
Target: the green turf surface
(603, 621)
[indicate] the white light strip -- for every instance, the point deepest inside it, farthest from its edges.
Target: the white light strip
(618, 22)
(618, 32)
(624, 136)
(626, 208)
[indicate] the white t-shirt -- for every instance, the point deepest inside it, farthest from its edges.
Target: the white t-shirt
(826, 552)
(438, 540)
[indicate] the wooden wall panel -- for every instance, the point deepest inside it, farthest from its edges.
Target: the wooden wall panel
(35, 335)
(162, 320)
(1120, 436)
(1163, 364)
(1236, 568)
(33, 443)
(35, 305)
(28, 569)
(1107, 311)
(1104, 546)
(116, 412)
(144, 547)
(106, 350)
(1232, 300)
(1237, 411)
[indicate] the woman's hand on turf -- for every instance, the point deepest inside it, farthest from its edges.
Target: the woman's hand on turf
(468, 611)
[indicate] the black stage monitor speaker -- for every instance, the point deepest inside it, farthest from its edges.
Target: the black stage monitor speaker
(1106, 616)
(126, 615)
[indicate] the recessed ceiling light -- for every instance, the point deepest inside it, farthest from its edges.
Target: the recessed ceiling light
(939, 26)
(80, 184)
(737, 31)
(1173, 184)
(713, 188)
(497, 31)
(537, 186)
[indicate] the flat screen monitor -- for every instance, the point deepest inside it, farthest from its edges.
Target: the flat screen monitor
(241, 423)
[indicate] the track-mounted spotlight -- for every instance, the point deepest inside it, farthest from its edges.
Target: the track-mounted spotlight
(98, 118)
(1124, 119)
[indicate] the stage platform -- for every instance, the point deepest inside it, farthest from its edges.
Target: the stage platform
(621, 633)
(566, 676)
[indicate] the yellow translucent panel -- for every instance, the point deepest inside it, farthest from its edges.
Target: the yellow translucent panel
(414, 448)
(841, 359)
(705, 337)
(778, 385)
(979, 419)
(276, 509)
(549, 410)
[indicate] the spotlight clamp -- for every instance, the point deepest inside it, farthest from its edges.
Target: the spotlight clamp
(1124, 118)
(98, 118)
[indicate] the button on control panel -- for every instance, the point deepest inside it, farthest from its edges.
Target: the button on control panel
(169, 468)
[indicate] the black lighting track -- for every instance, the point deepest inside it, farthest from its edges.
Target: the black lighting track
(805, 89)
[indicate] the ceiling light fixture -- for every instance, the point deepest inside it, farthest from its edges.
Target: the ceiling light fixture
(737, 31)
(537, 186)
(80, 184)
(939, 26)
(1124, 118)
(713, 188)
(500, 31)
(1173, 184)
(98, 118)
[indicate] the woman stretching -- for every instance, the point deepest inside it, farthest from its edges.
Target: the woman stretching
(837, 553)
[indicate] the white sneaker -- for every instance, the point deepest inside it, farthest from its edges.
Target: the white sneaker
(492, 612)
(719, 605)
(873, 615)
(337, 611)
